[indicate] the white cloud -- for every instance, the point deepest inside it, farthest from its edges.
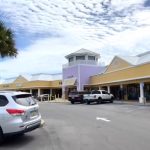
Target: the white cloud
(110, 27)
(43, 56)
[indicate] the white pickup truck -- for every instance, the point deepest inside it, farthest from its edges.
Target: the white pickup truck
(98, 96)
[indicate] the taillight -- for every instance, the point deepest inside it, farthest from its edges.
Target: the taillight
(15, 112)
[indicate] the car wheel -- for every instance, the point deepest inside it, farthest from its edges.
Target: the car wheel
(82, 101)
(111, 101)
(87, 102)
(21, 134)
(72, 102)
(99, 101)
(1, 136)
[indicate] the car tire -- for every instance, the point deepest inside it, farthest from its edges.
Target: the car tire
(1, 136)
(21, 134)
(111, 101)
(72, 102)
(82, 102)
(99, 101)
(88, 102)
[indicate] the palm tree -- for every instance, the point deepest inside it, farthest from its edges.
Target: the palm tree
(7, 42)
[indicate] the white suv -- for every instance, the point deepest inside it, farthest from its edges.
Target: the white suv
(19, 113)
(98, 96)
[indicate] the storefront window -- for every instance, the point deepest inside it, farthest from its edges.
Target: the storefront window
(133, 92)
(147, 91)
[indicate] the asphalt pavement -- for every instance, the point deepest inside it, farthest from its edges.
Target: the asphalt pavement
(87, 127)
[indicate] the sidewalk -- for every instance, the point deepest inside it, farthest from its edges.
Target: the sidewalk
(58, 100)
(122, 102)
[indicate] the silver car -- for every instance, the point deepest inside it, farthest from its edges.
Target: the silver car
(19, 113)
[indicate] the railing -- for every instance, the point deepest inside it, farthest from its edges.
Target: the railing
(80, 62)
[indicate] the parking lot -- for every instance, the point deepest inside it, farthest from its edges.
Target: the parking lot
(87, 127)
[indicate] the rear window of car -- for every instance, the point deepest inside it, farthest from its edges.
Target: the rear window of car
(24, 99)
(3, 101)
(104, 92)
(96, 92)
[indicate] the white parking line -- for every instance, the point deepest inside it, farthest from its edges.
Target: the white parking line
(103, 119)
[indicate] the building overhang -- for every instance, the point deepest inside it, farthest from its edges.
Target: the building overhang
(125, 81)
(69, 82)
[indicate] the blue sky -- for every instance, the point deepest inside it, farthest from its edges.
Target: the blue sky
(47, 30)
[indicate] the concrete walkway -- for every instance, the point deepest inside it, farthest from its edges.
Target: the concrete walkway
(58, 100)
(131, 103)
(120, 102)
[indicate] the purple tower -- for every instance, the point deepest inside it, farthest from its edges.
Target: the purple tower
(81, 65)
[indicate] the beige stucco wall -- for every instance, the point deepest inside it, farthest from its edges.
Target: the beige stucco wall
(56, 84)
(31, 84)
(137, 72)
(116, 64)
(20, 79)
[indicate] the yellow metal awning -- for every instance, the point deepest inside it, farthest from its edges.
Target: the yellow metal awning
(69, 82)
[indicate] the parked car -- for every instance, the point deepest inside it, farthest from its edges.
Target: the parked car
(43, 97)
(98, 96)
(19, 113)
(76, 96)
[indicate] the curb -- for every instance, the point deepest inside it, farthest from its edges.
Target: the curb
(59, 101)
(55, 101)
(131, 103)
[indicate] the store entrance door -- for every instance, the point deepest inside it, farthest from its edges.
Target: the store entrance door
(133, 91)
(115, 90)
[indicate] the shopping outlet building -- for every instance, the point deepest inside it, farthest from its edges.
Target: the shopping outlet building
(36, 84)
(128, 78)
(76, 73)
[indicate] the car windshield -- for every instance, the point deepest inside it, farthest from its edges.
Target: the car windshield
(24, 99)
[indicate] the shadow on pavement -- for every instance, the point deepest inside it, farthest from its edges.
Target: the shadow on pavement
(17, 141)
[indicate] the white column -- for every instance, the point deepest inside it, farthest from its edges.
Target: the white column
(63, 92)
(108, 89)
(31, 91)
(142, 99)
(39, 92)
(121, 86)
(51, 91)
(99, 87)
(79, 81)
(121, 92)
